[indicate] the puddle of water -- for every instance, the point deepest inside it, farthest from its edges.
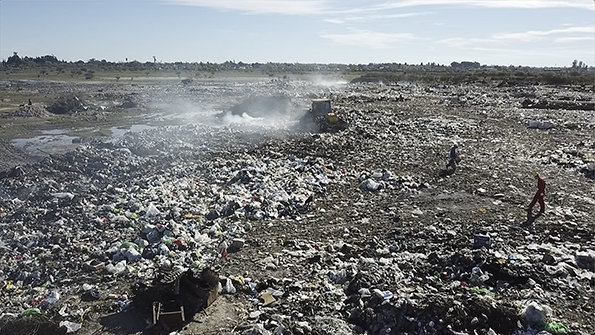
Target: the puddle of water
(53, 143)
(57, 141)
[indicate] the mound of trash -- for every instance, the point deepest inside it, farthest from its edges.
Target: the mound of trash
(355, 232)
(33, 110)
(68, 105)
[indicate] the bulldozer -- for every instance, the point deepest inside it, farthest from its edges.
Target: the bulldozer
(320, 117)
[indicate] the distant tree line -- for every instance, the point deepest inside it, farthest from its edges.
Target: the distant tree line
(456, 72)
(16, 61)
(465, 65)
(576, 64)
(501, 75)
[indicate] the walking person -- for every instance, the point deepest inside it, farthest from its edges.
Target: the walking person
(538, 197)
(453, 158)
(223, 248)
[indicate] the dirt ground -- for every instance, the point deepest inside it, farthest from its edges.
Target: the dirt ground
(421, 223)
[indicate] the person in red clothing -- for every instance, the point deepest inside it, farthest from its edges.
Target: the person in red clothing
(538, 195)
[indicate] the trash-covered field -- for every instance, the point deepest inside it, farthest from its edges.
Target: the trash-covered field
(358, 231)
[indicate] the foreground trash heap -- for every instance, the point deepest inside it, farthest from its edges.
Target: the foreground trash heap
(321, 234)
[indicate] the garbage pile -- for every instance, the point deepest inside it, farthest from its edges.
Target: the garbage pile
(68, 104)
(342, 233)
(104, 212)
(33, 110)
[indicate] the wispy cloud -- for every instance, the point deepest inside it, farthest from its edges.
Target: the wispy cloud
(346, 12)
(458, 42)
(527, 36)
(374, 17)
(370, 39)
(329, 7)
(535, 35)
(529, 4)
(574, 39)
(286, 7)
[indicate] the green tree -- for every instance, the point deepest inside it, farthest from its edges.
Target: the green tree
(14, 60)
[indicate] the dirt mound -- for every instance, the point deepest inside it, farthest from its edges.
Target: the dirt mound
(68, 105)
(29, 111)
(131, 101)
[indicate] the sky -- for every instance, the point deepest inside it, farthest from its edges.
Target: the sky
(540, 33)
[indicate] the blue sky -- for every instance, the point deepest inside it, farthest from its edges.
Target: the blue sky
(492, 32)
